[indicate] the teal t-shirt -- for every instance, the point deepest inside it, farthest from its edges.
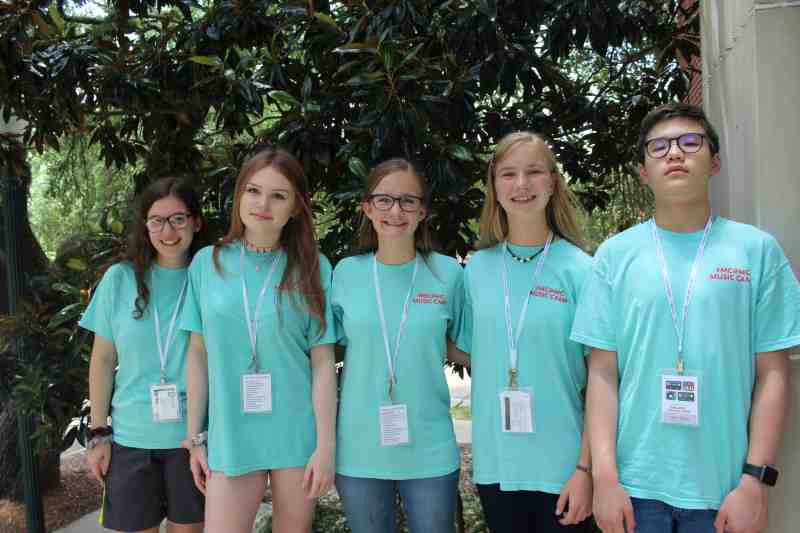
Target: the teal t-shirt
(434, 315)
(549, 363)
(110, 315)
(745, 300)
(239, 443)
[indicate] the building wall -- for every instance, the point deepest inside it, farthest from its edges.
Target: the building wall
(751, 84)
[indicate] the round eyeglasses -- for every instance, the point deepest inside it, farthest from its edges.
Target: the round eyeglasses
(384, 202)
(176, 220)
(689, 143)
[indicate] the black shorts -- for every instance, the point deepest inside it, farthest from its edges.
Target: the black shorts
(524, 511)
(144, 486)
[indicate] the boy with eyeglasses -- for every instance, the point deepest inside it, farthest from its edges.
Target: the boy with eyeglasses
(690, 317)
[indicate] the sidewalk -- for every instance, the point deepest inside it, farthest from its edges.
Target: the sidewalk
(88, 524)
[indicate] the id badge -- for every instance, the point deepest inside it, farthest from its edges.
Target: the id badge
(680, 399)
(256, 393)
(394, 424)
(165, 402)
(516, 411)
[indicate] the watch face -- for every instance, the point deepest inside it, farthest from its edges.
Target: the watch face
(770, 476)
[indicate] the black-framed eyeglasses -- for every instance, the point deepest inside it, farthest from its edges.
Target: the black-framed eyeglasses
(689, 143)
(176, 220)
(384, 202)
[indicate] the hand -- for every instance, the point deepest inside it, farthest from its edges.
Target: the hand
(744, 509)
(576, 496)
(99, 457)
(318, 477)
(199, 465)
(612, 507)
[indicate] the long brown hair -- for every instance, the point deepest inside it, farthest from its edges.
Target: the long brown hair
(302, 273)
(561, 211)
(367, 237)
(140, 252)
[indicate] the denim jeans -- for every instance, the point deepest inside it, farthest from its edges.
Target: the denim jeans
(369, 504)
(653, 516)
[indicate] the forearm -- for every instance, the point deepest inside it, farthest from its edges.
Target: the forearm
(585, 458)
(769, 408)
(101, 381)
(602, 396)
(323, 394)
(196, 385)
(457, 356)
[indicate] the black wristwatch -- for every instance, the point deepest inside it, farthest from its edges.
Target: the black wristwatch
(765, 474)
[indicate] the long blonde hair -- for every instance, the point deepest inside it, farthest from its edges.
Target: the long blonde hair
(561, 211)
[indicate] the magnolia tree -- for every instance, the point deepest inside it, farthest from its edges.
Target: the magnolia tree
(189, 87)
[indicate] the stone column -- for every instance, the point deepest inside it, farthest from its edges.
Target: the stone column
(751, 79)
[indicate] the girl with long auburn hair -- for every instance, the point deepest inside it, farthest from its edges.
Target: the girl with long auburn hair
(530, 454)
(137, 372)
(261, 367)
(396, 304)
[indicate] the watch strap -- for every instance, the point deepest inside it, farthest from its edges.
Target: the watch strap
(766, 473)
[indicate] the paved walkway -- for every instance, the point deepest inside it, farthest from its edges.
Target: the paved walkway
(459, 395)
(88, 524)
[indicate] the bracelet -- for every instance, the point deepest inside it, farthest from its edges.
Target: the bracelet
(99, 439)
(198, 440)
(585, 469)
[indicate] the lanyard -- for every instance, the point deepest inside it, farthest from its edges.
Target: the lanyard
(680, 327)
(252, 324)
(392, 360)
(513, 341)
(163, 348)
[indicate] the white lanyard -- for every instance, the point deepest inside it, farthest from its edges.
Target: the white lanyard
(392, 360)
(513, 341)
(252, 324)
(680, 327)
(163, 349)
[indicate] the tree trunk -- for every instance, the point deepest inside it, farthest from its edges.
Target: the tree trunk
(32, 258)
(15, 173)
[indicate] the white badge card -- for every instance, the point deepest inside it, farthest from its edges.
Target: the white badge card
(680, 399)
(516, 411)
(165, 401)
(394, 425)
(256, 393)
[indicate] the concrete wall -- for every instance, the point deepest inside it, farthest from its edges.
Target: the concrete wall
(751, 78)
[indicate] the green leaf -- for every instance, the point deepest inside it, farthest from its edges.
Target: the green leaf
(207, 61)
(56, 17)
(357, 167)
(284, 99)
(459, 152)
(117, 227)
(77, 264)
(327, 19)
(66, 314)
(66, 288)
(411, 55)
(357, 48)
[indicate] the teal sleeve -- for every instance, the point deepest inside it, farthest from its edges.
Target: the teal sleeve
(593, 324)
(314, 335)
(777, 317)
(98, 316)
(191, 317)
(464, 336)
(336, 304)
(457, 306)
